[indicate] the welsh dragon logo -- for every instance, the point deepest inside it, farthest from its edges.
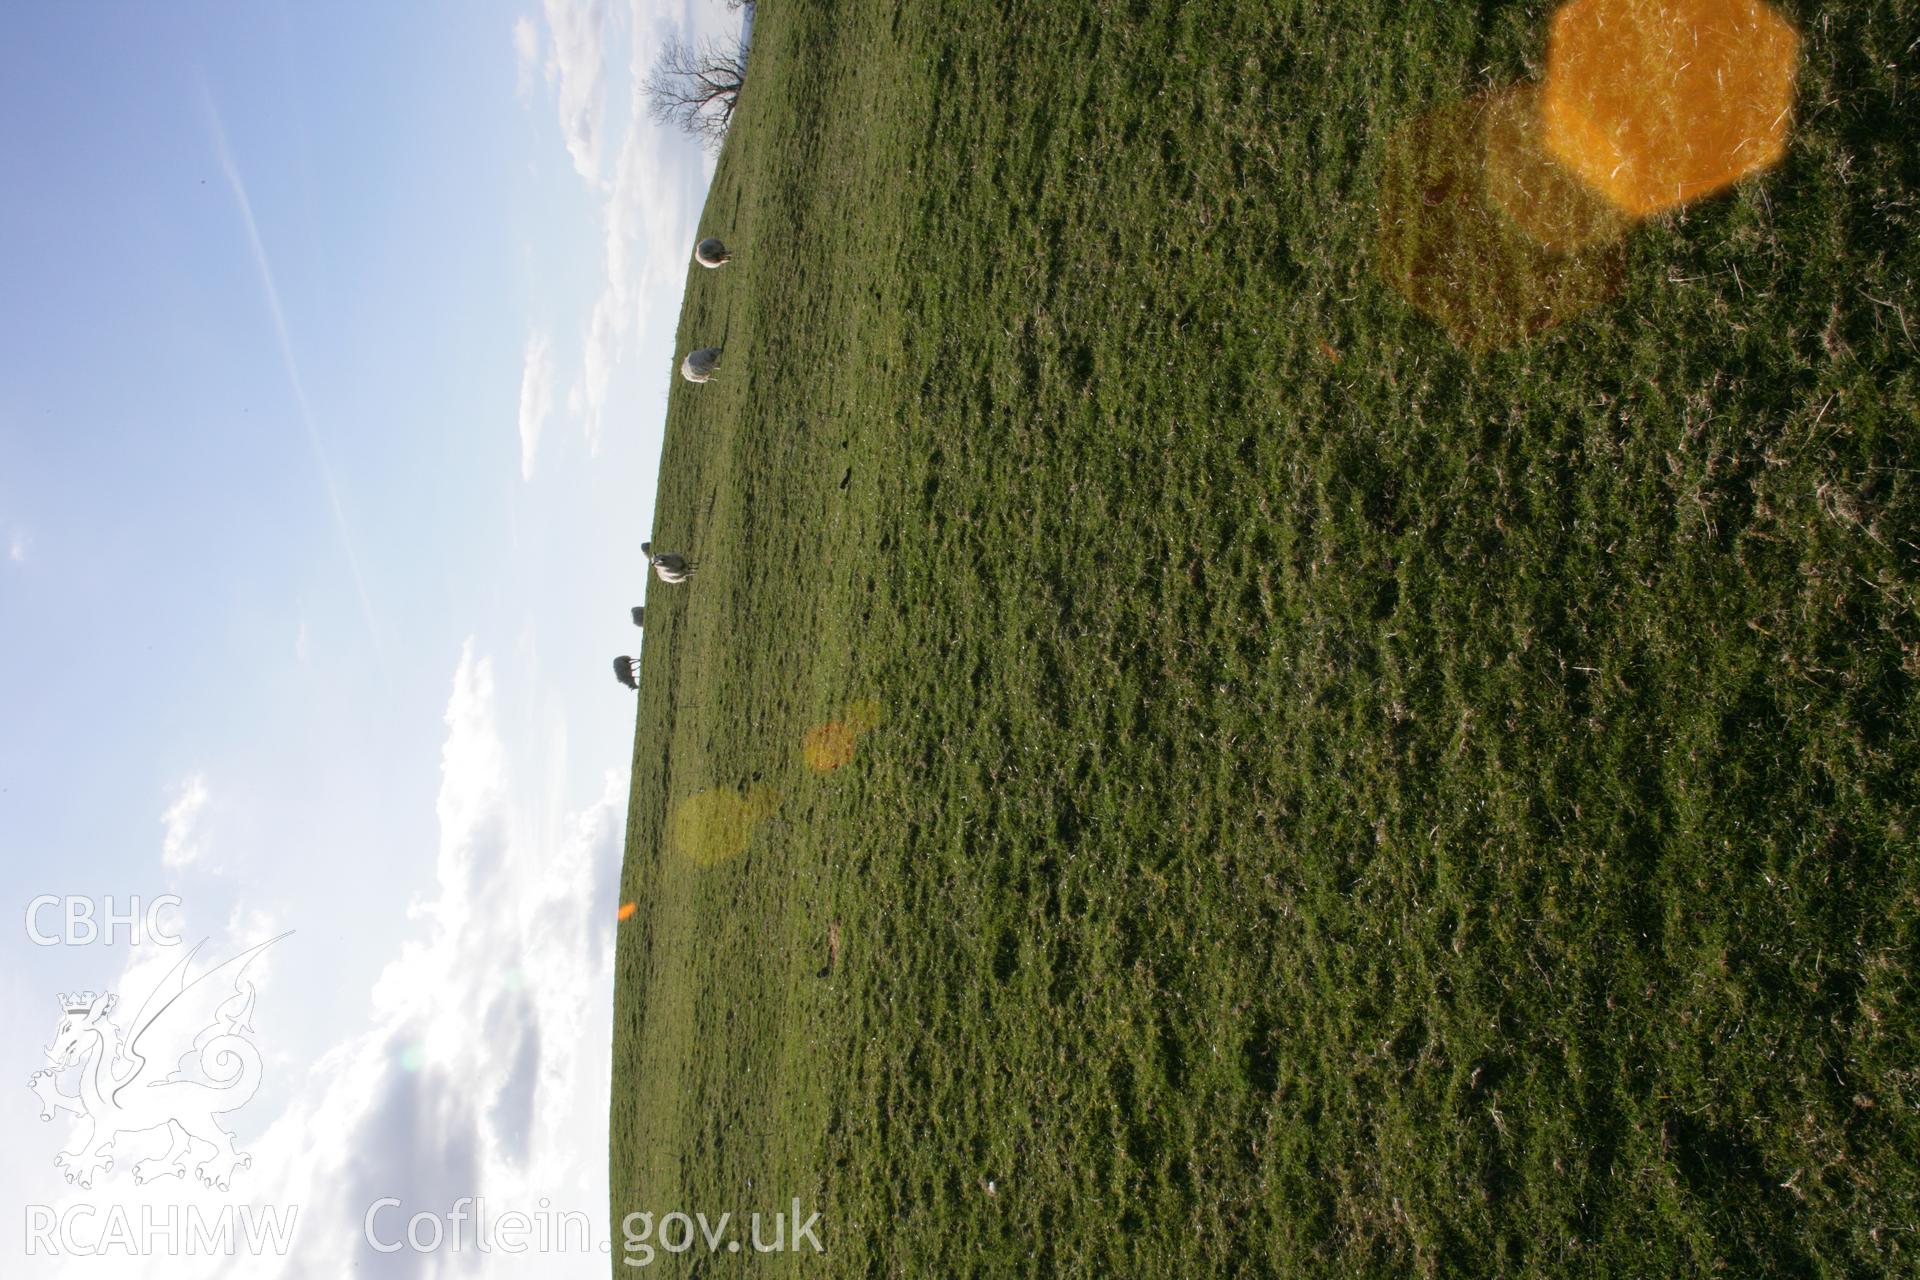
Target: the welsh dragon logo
(185, 1059)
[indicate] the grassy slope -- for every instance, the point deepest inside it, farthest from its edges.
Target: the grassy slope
(1435, 811)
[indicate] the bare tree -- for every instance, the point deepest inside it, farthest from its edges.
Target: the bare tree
(695, 87)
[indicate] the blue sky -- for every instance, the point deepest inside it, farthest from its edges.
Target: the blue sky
(337, 341)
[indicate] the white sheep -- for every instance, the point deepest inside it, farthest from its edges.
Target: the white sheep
(699, 365)
(670, 567)
(711, 253)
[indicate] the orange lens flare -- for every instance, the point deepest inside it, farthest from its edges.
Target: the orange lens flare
(1506, 214)
(1541, 197)
(1657, 102)
(1451, 246)
(828, 746)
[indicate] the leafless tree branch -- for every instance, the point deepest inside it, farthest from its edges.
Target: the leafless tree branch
(695, 87)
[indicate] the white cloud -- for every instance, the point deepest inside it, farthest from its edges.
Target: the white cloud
(184, 843)
(526, 57)
(536, 399)
(577, 70)
(17, 548)
(646, 222)
(483, 1067)
(249, 926)
(606, 340)
(302, 644)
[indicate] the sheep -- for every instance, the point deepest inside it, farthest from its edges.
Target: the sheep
(639, 615)
(623, 672)
(670, 567)
(711, 253)
(699, 365)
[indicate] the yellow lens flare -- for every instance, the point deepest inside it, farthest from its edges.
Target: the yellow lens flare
(1457, 254)
(863, 715)
(1657, 102)
(826, 747)
(714, 826)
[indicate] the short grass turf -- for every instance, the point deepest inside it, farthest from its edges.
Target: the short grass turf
(1344, 800)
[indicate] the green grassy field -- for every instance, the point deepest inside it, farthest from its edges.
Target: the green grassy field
(1427, 811)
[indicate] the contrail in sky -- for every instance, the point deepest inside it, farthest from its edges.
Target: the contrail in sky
(225, 157)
